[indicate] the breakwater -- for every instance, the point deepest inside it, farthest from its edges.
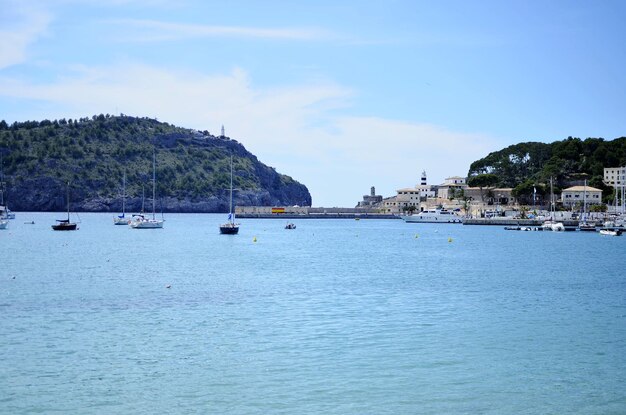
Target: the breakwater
(329, 215)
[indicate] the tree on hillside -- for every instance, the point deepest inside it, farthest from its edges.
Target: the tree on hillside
(529, 193)
(482, 181)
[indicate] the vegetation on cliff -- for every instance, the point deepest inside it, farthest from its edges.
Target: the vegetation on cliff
(193, 167)
(527, 167)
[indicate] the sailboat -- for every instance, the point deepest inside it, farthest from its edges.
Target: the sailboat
(140, 221)
(552, 224)
(4, 222)
(230, 227)
(65, 224)
(122, 219)
(5, 212)
(583, 225)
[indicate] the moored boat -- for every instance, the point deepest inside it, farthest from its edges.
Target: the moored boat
(65, 224)
(230, 227)
(611, 232)
(141, 221)
(122, 219)
(434, 216)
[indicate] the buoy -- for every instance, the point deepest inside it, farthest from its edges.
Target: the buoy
(416, 236)
(254, 240)
(449, 239)
(168, 286)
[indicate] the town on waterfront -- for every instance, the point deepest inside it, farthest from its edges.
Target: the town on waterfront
(576, 204)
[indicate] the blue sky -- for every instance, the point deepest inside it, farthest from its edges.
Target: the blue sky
(340, 95)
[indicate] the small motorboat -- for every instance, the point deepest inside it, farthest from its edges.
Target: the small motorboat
(290, 226)
(611, 232)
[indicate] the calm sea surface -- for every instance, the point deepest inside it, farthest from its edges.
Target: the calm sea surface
(335, 317)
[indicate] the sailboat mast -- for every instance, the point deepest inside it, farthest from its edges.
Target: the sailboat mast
(585, 202)
(230, 209)
(124, 194)
(153, 183)
(68, 202)
(551, 200)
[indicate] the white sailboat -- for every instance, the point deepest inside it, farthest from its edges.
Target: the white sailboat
(552, 224)
(5, 212)
(583, 225)
(141, 221)
(230, 227)
(4, 218)
(122, 219)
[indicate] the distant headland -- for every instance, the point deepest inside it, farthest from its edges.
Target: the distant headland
(93, 154)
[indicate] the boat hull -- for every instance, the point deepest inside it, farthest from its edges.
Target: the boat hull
(229, 229)
(64, 227)
(121, 221)
(611, 232)
(147, 224)
(419, 218)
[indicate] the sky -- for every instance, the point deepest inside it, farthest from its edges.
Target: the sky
(339, 95)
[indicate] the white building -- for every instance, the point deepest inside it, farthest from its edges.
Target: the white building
(581, 194)
(615, 176)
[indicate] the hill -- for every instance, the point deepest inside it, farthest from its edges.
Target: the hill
(571, 161)
(92, 154)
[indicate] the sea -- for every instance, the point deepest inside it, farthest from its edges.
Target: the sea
(334, 317)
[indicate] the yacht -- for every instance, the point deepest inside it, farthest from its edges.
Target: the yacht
(434, 216)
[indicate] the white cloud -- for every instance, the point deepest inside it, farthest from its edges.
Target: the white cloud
(295, 129)
(153, 30)
(20, 26)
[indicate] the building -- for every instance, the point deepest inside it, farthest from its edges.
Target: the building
(615, 176)
(578, 195)
(390, 205)
(371, 200)
(490, 195)
(413, 196)
(450, 187)
(406, 198)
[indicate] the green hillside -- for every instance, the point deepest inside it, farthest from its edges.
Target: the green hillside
(193, 167)
(527, 165)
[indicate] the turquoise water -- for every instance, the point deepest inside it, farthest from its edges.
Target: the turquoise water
(335, 317)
